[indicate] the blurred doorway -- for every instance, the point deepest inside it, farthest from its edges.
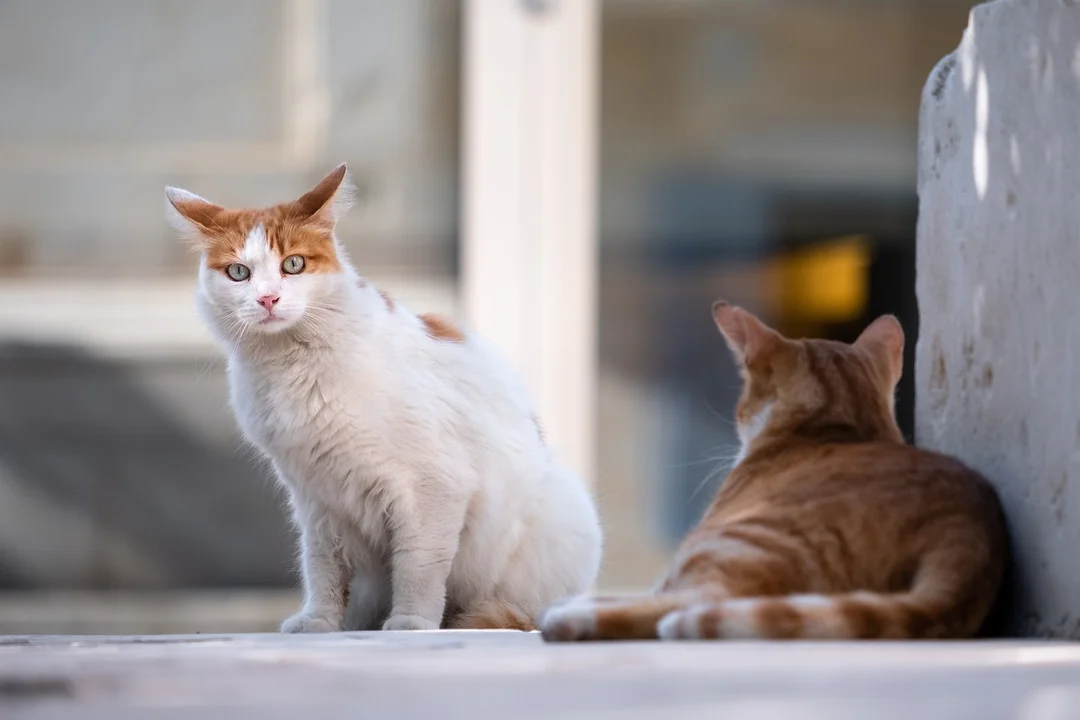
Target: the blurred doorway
(763, 153)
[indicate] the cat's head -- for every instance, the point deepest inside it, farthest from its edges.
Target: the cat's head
(814, 388)
(268, 270)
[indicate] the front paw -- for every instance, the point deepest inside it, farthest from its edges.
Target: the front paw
(409, 622)
(304, 623)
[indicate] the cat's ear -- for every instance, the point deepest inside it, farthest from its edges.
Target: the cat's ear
(884, 340)
(328, 201)
(191, 216)
(745, 334)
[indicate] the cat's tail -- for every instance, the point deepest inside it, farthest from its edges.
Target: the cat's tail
(949, 598)
(939, 605)
(855, 616)
(674, 617)
(494, 615)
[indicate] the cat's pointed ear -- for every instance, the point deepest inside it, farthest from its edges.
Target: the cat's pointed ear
(328, 201)
(884, 340)
(745, 334)
(191, 216)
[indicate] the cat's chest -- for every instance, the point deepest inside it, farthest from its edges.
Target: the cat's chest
(281, 410)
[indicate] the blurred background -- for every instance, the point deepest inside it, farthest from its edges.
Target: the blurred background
(763, 152)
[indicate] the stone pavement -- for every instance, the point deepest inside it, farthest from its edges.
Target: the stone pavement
(480, 675)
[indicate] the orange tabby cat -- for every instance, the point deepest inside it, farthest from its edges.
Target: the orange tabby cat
(829, 526)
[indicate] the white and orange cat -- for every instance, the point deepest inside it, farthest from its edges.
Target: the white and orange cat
(410, 452)
(829, 526)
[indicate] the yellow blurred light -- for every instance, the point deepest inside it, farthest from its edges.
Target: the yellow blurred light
(826, 282)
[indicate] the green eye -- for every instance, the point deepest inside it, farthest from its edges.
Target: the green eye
(292, 264)
(238, 272)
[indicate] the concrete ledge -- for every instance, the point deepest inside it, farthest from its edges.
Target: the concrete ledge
(507, 674)
(130, 613)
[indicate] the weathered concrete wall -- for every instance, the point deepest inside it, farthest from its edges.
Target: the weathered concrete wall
(998, 359)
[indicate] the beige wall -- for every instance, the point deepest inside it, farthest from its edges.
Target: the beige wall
(106, 101)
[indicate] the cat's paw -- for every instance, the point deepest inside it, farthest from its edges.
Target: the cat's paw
(569, 620)
(409, 622)
(304, 623)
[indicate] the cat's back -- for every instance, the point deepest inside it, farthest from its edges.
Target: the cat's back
(840, 517)
(886, 479)
(462, 381)
(859, 514)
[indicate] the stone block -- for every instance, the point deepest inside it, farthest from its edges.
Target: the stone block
(998, 357)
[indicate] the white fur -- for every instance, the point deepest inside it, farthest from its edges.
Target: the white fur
(736, 619)
(809, 602)
(411, 463)
(188, 230)
(749, 430)
(681, 624)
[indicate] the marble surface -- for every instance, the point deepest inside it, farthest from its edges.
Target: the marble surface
(506, 674)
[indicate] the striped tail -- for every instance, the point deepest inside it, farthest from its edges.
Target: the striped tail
(493, 615)
(950, 599)
(933, 608)
(855, 616)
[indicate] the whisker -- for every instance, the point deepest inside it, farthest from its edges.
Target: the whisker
(715, 412)
(725, 464)
(206, 368)
(702, 461)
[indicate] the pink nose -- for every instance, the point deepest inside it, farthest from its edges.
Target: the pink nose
(268, 302)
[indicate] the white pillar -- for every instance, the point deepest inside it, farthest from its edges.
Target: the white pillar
(529, 202)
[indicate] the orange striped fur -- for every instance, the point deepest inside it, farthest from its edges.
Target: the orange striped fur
(830, 526)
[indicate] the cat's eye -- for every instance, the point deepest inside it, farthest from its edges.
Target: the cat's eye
(238, 272)
(293, 264)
